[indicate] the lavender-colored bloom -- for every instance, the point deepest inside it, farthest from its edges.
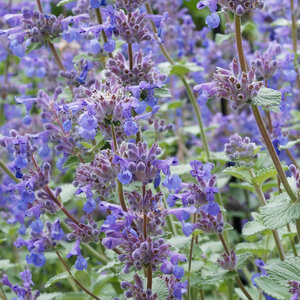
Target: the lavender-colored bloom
(228, 261)
(143, 69)
(296, 175)
(241, 150)
(134, 27)
(129, 5)
(232, 84)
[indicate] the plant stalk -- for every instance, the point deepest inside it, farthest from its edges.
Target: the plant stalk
(76, 281)
(187, 87)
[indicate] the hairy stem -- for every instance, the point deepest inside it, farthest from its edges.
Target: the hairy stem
(237, 278)
(75, 280)
(120, 186)
(187, 87)
(263, 202)
(100, 21)
(295, 38)
(260, 123)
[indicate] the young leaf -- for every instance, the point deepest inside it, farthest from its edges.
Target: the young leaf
(159, 287)
(72, 161)
(255, 226)
(239, 172)
(280, 211)
(63, 2)
(267, 97)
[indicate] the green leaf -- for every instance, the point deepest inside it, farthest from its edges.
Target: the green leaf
(72, 296)
(163, 92)
(181, 169)
(68, 192)
(72, 161)
(242, 185)
(59, 277)
(178, 69)
(254, 292)
(159, 287)
(63, 2)
(279, 274)
(280, 211)
(263, 174)
(255, 226)
(34, 46)
(267, 97)
(257, 248)
(83, 277)
(220, 38)
(242, 260)
(290, 144)
(5, 264)
(239, 172)
(175, 104)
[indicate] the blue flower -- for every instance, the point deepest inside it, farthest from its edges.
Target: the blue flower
(125, 177)
(37, 226)
(36, 259)
(172, 182)
(130, 128)
(81, 263)
(109, 46)
(187, 229)
(89, 205)
(213, 20)
(94, 46)
(178, 272)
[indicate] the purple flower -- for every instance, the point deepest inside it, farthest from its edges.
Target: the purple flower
(81, 263)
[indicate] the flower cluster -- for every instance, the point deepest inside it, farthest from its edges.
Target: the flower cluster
(234, 85)
(241, 151)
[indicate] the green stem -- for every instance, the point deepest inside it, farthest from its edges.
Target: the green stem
(292, 241)
(260, 122)
(76, 281)
(295, 38)
(94, 253)
(263, 202)
(120, 186)
(187, 87)
(8, 172)
(100, 21)
(237, 278)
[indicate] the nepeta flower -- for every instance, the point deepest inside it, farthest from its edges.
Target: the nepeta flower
(241, 150)
(129, 5)
(143, 69)
(295, 289)
(232, 84)
(81, 263)
(133, 27)
(24, 291)
(228, 261)
(296, 174)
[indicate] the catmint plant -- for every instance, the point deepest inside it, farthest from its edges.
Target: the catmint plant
(149, 149)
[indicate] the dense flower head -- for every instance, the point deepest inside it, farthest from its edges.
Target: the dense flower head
(234, 85)
(100, 175)
(228, 261)
(136, 290)
(25, 291)
(241, 150)
(296, 174)
(209, 223)
(140, 163)
(133, 27)
(266, 63)
(129, 5)
(84, 232)
(294, 289)
(143, 69)
(41, 241)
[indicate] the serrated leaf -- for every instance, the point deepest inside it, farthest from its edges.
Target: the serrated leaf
(163, 92)
(256, 248)
(267, 97)
(220, 38)
(261, 175)
(72, 161)
(280, 211)
(63, 2)
(68, 192)
(290, 144)
(159, 287)
(242, 259)
(181, 169)
(242, 185)
(34, 46)
(57, 277)
(72, 296)
(108, 266)
(255, 226)
(239, 172)
(254, 292)
(276, 284)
